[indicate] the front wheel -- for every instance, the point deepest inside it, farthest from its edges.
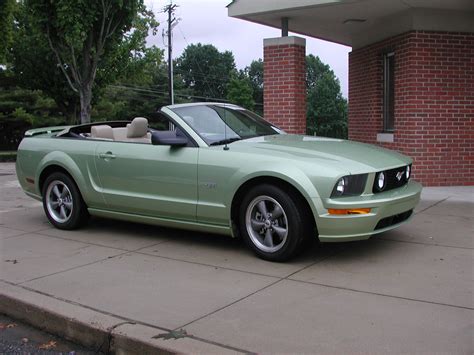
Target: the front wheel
(272, 223)
(62, 202)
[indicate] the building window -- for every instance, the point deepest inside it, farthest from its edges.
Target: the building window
(388, 92)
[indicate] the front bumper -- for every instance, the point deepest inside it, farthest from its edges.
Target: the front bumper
(339, 228)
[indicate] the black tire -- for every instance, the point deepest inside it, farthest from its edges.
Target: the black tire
(289, 232)
(65, 197)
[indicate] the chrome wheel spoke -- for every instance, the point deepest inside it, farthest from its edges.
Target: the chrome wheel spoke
(56, 191)
(54, 204)
(262, 207)
(65, 192)
(277, 212)
(68, 205)
(257, 225)
(280, 231)
(268, 241)
(62, 212)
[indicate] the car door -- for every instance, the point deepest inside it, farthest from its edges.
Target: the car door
(146, 179)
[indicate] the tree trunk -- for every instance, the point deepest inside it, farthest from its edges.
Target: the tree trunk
(86, 98)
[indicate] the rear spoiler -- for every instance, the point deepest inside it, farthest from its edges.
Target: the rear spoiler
(45, 130)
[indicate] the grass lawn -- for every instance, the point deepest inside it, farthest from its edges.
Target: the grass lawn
(7, 156)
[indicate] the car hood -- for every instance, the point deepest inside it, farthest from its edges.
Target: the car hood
(353, 157)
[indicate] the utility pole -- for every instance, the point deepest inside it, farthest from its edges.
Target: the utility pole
(172, 21)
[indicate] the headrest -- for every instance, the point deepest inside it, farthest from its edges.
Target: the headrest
(138, 128)
(102, 131)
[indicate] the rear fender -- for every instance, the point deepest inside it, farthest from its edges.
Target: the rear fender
(64, 161)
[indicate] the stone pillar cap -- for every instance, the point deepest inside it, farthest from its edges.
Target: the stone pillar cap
(279, 41)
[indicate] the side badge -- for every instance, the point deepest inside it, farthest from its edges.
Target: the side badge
(210, 185)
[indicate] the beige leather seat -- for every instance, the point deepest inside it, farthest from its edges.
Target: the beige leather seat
(120, 134)
(137, 131)
(102, 132)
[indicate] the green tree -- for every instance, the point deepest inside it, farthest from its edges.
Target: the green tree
(255, 74)
(326, 107)
(34, 66)
(86, 37)
(139, 91)
(22, 109)
(205, 70)
(7, 8)
(239, 91)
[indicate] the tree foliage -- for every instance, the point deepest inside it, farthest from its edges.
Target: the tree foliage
(254, 72)
(205, 70)
(239, 91)
(22, 109)
(7, 9)
(34, 91)
(34, 67)
(326, 107)
(86, 37)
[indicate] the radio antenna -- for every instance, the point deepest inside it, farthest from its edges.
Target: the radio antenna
(226, 147)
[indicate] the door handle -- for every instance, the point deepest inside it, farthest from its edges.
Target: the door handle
(107, 155)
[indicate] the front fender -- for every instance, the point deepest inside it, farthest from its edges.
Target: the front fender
(290, 174)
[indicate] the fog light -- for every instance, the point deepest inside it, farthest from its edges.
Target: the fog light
(408, 172)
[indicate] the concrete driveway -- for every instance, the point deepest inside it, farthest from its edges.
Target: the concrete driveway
(405, 291)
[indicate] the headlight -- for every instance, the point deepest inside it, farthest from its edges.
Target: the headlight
(380, 181)
(350, 185)
(408, 172)
(340, 186)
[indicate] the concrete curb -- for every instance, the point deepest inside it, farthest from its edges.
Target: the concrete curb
(92, 329)
(88, 335)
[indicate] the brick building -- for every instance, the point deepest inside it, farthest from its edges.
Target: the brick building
(411, 74)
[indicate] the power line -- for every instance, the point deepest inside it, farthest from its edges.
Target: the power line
(162, 93)
(146, 90)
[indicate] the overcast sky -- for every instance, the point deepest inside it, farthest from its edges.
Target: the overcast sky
(206, 21)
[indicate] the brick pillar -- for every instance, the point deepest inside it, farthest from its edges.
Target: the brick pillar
(284, 77)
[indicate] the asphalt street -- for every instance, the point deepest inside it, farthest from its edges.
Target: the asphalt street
(19, 338)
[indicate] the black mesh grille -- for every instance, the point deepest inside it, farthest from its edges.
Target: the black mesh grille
(392, 182)
(392, 220)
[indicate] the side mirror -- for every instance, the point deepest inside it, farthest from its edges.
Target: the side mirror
(168, 138)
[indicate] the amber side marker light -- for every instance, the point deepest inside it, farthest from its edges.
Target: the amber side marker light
(349, 211)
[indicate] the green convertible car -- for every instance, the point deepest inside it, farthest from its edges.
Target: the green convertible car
(218, 168)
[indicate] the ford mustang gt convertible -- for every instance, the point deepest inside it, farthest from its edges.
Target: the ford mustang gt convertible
(218, 168)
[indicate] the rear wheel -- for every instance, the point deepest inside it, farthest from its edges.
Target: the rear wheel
(272, 223)
(62, 202)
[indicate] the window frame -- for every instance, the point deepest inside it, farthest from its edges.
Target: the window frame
(388, 98)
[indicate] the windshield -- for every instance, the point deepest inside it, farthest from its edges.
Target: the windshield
(217, 124)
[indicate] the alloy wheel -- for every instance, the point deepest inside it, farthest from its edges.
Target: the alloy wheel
(267, 224)
(59, 201)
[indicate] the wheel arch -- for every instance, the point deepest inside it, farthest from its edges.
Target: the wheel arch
(59, 162)
(271, 180)
(50, 169)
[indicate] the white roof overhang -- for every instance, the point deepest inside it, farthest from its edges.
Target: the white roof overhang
(358, 22)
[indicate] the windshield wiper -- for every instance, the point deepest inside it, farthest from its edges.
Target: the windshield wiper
(226, 141)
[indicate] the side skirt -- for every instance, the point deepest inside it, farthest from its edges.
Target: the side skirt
(164, 222)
